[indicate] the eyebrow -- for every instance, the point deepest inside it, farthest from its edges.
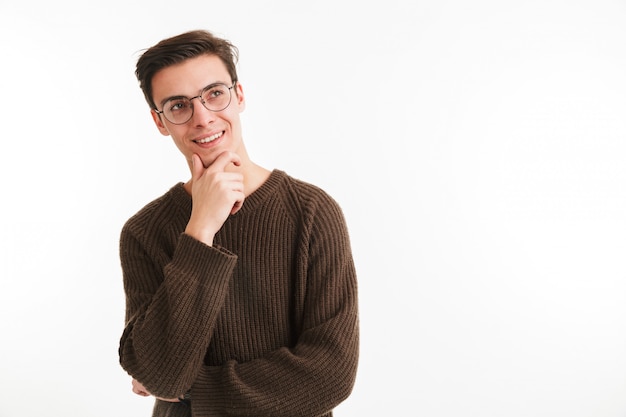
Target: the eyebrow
(165, 100)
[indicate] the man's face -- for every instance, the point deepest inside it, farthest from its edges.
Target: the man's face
(207, 133)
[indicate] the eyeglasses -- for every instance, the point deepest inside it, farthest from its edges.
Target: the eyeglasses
(179, 110)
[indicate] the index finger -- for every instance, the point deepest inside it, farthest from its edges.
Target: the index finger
(225, 158)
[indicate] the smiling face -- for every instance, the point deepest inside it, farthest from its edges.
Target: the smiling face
(207, 133)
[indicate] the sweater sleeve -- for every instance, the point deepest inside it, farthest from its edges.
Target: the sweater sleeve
(318, 373)
(163, 304)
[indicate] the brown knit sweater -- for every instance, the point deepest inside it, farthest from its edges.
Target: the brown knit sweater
(264, 323)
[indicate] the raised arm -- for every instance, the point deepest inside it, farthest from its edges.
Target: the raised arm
(171, 311)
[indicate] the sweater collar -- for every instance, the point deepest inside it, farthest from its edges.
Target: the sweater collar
(265, 191)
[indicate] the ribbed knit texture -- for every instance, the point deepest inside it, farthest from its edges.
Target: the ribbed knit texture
(264, 323)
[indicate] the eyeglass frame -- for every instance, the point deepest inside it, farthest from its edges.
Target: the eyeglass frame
(199, 96)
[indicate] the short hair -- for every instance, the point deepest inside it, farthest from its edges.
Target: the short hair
(174, 50)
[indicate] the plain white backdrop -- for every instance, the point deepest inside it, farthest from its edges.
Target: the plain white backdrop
(477, 149)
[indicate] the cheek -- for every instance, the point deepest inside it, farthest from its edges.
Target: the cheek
(178, 138)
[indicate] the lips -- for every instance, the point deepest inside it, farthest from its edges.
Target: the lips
(209, 138)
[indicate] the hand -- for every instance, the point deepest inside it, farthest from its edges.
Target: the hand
(216, 193)
(141, 390)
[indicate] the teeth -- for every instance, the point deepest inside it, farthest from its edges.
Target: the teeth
(210, 138)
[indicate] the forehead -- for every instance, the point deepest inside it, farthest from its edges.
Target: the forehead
(189, 77)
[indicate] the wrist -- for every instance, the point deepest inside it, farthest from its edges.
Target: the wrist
(202, 235)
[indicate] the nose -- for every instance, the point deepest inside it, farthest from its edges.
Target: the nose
(201, 114)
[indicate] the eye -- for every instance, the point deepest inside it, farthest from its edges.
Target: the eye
(177, 105)
(214, 92)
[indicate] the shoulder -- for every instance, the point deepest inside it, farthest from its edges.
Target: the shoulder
(160, 211)
(309, 201)
(304, 193)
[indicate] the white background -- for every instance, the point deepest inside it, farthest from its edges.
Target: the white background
(477, 149)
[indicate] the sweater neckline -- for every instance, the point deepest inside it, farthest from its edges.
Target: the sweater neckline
(266, 190)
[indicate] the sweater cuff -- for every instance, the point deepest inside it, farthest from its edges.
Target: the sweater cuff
(194, 257)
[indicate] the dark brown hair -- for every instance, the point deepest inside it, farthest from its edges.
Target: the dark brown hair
(179, 48)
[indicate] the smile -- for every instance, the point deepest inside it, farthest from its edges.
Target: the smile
(210, 138)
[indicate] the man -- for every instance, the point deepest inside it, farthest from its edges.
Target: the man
(241, 294)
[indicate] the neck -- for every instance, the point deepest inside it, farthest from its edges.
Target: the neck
(253, 176)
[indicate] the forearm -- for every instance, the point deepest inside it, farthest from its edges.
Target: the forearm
(168, 331)
(308, 380)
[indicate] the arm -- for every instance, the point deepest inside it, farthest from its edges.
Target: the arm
(158, 347)
(171, 308)
(318, 372)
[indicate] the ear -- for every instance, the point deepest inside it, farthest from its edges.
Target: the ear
(241, 100)
(159, 123)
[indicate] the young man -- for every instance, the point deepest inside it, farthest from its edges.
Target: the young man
(241, 293)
